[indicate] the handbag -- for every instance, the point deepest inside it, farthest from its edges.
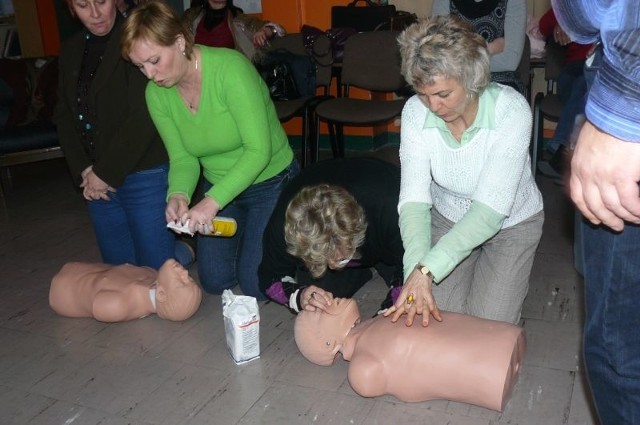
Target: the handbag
(326, 47)
(399, 21)
(366, 18)
(287, 75)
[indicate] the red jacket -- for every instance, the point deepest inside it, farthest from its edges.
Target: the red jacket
(574, 51)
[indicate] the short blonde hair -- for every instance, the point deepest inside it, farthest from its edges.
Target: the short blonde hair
(444, 46)
(320, 220)
(157, 22)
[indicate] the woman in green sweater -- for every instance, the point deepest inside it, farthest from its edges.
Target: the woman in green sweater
(213, 111)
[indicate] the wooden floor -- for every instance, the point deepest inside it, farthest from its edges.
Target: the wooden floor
(56, 370)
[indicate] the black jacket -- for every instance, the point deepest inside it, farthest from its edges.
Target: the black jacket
(126, 138)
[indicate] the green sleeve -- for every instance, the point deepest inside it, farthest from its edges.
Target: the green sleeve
(415, 229)
(477, 226)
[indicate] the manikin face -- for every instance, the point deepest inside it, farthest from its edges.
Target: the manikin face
(335, 323)
(445, 97)
(98, 16)
(178, 296)
(165, 65)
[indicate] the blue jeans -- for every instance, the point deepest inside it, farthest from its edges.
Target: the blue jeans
(224, 263)
(612, 323)
(131, 226)
(572, 90)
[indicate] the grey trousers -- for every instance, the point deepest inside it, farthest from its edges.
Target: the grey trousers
(492, 282)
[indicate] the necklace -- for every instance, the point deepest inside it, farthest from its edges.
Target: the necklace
(191, 102)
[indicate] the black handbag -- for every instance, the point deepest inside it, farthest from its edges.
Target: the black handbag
(365, 18)
(398, 21)
(287, 75)
(326, 47)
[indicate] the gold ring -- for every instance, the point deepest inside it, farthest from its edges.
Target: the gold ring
(410, 299)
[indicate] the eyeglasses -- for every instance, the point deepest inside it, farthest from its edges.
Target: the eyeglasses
(344, 261)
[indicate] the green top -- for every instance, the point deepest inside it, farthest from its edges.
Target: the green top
(235, 134)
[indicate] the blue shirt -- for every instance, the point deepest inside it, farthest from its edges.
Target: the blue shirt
(613, 104)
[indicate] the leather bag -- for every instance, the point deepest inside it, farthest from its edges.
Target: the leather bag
(288, 76)
(326, 47)
(363, 18)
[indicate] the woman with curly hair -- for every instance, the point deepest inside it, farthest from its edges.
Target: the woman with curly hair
(339, 219)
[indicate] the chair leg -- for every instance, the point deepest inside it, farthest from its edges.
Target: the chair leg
(305, 135)
(333, 129)
(340, 139)
(537, 134)
(315, 140)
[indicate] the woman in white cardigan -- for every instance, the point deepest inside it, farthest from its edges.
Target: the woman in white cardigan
(470, 211)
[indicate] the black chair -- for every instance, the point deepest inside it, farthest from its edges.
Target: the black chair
(547, 105)
(371, 62)
(303, 106)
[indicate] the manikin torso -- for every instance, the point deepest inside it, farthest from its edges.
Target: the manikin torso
(462, 358)
(107, 293)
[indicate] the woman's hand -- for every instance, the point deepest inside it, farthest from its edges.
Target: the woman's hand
(560, 36)
(177, 206)
(262, 36)
(93, 187)
(313, 298)
(496, 46)
(415, 298)
(201, 216)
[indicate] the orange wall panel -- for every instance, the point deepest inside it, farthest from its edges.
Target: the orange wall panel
(284, 12)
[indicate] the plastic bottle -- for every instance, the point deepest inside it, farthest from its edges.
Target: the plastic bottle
(224, 226)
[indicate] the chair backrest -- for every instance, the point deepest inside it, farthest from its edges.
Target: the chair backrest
(294, 44)
(372, 61)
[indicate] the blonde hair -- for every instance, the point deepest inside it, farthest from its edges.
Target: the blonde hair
(157, 22)
(319, 221)
(444, 46)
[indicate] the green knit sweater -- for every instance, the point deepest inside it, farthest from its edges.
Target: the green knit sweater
(235, 135)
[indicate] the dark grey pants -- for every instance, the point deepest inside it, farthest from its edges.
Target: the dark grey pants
(493, 280)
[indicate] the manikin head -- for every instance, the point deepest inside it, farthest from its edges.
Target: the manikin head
(320, 335)
(178, 296)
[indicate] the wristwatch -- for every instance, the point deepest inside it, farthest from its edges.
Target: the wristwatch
(424, 270)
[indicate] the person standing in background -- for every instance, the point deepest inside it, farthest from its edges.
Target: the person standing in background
(605, 171)
(572, 90)
(218, 23)
(502, 23)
